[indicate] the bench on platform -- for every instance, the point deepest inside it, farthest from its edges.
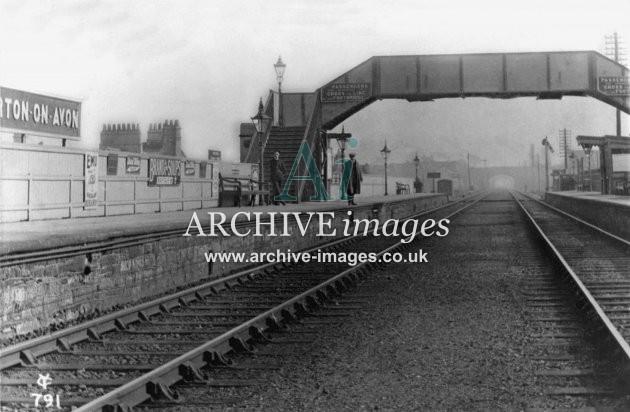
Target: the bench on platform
(233, 189)
(402, 189)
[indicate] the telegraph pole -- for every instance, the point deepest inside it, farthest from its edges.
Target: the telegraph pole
(613, 51)
(565, 146)
(548, 148)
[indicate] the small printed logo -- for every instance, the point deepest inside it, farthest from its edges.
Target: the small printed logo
(49, 400)
(44, 381)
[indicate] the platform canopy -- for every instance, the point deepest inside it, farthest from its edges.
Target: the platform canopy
(616, 144)
(608, 146)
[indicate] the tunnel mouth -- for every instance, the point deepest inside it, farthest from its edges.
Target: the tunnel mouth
(499, 182)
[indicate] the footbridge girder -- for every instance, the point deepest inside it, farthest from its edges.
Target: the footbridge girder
(544, 75)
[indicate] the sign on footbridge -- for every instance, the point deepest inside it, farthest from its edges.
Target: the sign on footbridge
(614, 86)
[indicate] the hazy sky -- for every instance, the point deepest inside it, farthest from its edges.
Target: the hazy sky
(207, 63)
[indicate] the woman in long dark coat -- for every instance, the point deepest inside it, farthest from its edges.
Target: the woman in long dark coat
(354, 184)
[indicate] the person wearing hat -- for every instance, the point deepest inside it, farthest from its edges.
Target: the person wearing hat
(354, 183)
(277, 171)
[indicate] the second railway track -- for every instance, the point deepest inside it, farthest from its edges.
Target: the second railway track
(580, 305)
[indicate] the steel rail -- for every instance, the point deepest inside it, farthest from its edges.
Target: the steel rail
(577, 219)
(157, 382)
(26, 352)
(609, 327)
(63, 339)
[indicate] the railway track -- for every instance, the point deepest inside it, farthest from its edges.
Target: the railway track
(208, 345)
(123, 359)
(582, 316)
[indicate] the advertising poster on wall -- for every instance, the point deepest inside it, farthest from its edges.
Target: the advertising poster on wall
(112, 164)
(91, 181)
(132, 166)
(189, 169)
(164, 172)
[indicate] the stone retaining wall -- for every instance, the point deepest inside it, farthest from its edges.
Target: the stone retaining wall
(42, 294)
(612, 217)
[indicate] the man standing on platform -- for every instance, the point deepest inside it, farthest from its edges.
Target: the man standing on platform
(354, 184)
(277, 171)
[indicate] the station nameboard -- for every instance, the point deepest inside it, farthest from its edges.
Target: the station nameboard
(433, 175)
(25, 112)
(346, 92)
(614, 85)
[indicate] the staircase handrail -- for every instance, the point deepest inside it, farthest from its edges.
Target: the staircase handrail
(313, 126)
(267, 108)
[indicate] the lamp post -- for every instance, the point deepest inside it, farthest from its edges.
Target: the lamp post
(280, 66)
(545, 142)
(416, 184)
(259, 123)
(385, 152)
(416, 161)
(587, 150)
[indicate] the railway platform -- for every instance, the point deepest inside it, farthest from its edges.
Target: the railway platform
(610, 212)
(32, 236)
(501, 317)
(57, 271)
(596, 197)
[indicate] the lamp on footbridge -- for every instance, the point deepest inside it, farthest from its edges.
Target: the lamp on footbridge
(280, 66)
